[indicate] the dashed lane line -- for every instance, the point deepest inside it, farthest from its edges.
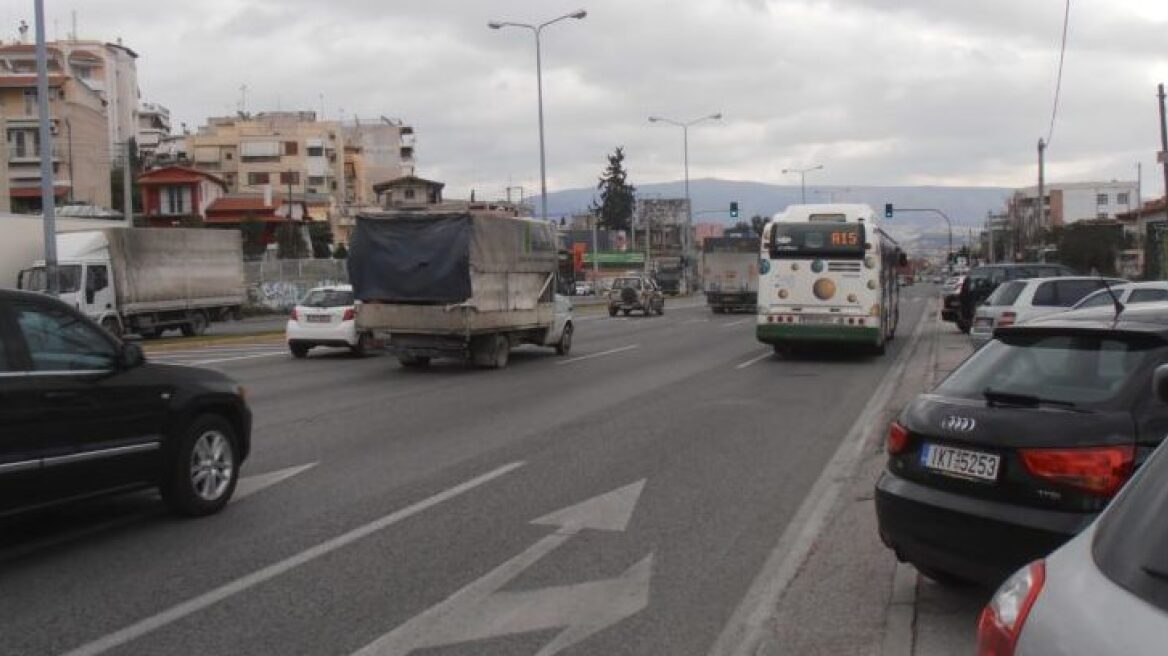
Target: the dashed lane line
(599, 355)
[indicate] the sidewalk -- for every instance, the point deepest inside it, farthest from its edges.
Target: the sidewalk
(850, 595)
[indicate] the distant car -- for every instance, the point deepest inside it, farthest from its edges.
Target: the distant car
(1023, 444)
(938, 280)
(83, 414)
(960, 304)
(1128, 294)
(1105, 592)
(637, 293)
(326, 316)
(583, 288)
(1020, 300)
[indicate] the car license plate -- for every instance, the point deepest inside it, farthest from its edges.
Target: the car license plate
(984, 323)
(960, 462)
(319, 318)
(816, 318)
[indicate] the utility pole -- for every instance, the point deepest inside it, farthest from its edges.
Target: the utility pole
(1041, 212)
(48, 207)
(595, 247)
(127, 185)
(1163, 156)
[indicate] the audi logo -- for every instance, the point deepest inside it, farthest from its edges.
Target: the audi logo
(958, 424)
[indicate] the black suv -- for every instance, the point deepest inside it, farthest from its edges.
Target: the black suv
(83, 414)
(981, 281)
(1023, 444)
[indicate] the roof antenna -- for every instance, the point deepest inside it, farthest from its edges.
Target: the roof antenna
(1119, 307)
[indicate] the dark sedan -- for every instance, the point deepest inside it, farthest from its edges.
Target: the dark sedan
(1022, 445)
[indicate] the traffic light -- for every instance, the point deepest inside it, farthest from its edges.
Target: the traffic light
(734, 209)
(888, 210)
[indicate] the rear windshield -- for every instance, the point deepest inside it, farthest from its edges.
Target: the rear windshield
(1006, 294)
(327, 298)
(1131, 539)
(1148, 295)
(1078, 369)
(621, 283)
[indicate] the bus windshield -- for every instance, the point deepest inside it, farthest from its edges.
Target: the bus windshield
(798, 240)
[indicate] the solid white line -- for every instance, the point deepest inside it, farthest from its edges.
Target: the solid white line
(599, 355)
(735, 323)
(749, 625)
(199, 363)
(220, 351)
(754, 360)
(175, 613)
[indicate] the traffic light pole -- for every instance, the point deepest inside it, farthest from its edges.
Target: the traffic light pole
(948, 222)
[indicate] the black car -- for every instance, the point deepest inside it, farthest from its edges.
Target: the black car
(960, 305)
(1023, 444)
(83, 414)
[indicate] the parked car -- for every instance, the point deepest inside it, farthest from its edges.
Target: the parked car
(1104, 592)
(1020, 447)
(84, 414)
(636, 292)
(1128, 293)
(326, 316)
(960, 304)
(1021, 300)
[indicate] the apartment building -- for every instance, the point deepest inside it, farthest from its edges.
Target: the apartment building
(153, 129)
(1066, 203)
(80, 125)
(386, 153)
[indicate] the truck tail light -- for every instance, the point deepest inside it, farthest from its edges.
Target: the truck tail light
(1007, 319)
(1097, 470)
(295, 316)
(1002, 620)
(350, 314)
(897, 439)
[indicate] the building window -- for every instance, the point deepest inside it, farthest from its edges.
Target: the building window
(315, 151)
(228, 155)
(1101, 215)
(316, 180)
(30, 102)
(290, 177)
(291, 148)
(1101, 199)
(255, 178)
(1122, 198)
(409, 194)
(175, 200)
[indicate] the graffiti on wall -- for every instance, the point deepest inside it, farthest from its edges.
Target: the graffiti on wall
(283, 294)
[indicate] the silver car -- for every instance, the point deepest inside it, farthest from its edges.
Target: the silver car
(1104, 592)
(1016, 301)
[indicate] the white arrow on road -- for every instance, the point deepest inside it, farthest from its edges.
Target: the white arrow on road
(480, 611)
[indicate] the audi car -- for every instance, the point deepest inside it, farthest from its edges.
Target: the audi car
(1019, 449)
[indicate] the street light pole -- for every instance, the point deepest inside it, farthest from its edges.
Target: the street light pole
(686, 246)
(48, 197)
(537, 30)
(803, 179)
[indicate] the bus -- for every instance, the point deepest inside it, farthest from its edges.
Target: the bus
(828, 276)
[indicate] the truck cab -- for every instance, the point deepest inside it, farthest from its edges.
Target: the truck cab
(84, 276)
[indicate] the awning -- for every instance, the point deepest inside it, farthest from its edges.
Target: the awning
(35, 192)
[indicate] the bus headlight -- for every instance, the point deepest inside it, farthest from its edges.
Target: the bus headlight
(870, 262)
(875, 311)
(824, 288)
(871, 284)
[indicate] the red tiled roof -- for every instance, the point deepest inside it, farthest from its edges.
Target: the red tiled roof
(171, 174)
(229, 204)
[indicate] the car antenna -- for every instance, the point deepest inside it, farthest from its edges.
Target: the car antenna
(1119, 307)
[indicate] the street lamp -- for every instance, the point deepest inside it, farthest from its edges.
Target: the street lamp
(684, 125)
(803, 178)
(536, 30)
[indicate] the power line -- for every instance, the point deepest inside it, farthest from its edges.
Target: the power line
(1059, 83)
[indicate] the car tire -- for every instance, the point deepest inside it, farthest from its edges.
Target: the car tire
(299, 351)
(112, 326)
(963, 325)
(565, 345)
(611, 311)
(204, 470)
(364, 345)
(661, 308)
(626, 312)
(196, 326)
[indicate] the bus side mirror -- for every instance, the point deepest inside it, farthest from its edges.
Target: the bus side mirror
(903, 260)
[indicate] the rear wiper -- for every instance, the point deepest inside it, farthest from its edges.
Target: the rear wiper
(997, 397)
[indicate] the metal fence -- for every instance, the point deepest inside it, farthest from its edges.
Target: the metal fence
(279, 284)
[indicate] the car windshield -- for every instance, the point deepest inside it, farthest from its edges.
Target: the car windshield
(621, 283)
(327, 298)
(1078, 368)
(68, 279)
(1006, 294)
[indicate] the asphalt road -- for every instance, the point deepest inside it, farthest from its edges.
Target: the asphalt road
(620, 500)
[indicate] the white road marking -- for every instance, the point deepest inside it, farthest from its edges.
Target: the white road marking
(750, 623)
(696, 321)
(735, 323)
(196, 604)
(479, 610)
(249, 485)
(199, 363)
(600, 354)
(754, 360)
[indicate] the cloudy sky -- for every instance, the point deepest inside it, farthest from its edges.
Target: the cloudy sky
(880, 92)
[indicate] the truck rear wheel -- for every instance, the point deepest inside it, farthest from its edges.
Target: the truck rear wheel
(195, 326)
(491, 351)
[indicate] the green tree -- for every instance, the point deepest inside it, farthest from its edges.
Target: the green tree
(290, 241)
(320, 233)
(758, 224)
(1091, 248)
(340, 252)
(741, 228)
(615, 209)
(252, 230)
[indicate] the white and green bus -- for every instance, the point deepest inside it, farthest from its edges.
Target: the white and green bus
(827, 275)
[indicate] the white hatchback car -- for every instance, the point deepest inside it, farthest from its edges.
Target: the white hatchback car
(1015, 301)
(326, 316)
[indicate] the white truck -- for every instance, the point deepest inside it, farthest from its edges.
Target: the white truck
(448, 284)
(24, 241)
(147, 280)
(730, 272)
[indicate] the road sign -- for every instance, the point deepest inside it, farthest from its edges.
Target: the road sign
(888, 210)
(481, 611)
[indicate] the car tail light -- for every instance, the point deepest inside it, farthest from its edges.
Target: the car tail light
(1002, 620)
(295, 315)
(1007, 319)
(897, 439)
(350, 314)
(1098, 470)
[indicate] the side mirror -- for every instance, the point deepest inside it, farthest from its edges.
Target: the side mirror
(131, 356)
(1160, 382)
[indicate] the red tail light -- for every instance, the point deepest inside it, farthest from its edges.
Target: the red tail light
(295, 315)
(1098, 470)
(1007, 319)
(350, 314)
(1002, 620)
(897, 439)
